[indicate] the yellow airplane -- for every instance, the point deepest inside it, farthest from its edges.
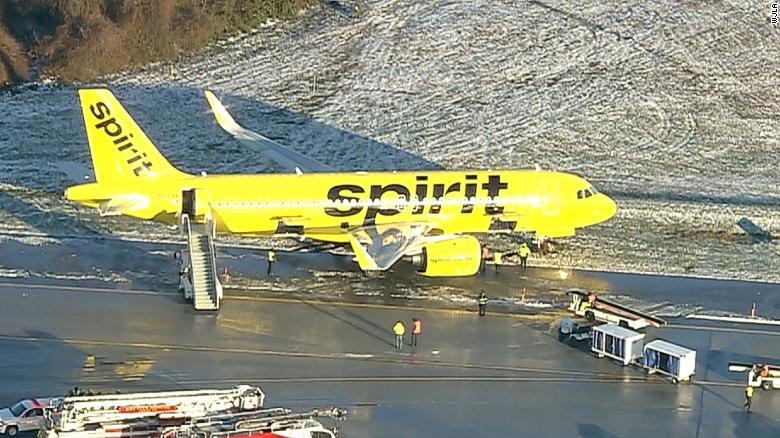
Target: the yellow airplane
(426, 217)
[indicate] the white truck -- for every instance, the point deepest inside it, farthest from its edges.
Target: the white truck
(26, 415)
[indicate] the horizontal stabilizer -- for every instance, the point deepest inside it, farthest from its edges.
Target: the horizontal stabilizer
(76, 172)
(284, 156)
(121, 204)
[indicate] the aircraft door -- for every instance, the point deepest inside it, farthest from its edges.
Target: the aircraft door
(188, 202)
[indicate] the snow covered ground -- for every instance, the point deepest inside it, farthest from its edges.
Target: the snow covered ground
(672, 108)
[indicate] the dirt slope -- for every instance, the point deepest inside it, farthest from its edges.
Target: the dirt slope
(81, 39)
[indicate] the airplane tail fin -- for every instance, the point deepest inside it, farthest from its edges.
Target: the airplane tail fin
(120, 149)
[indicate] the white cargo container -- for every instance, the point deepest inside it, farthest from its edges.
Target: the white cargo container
(619, 343)
(669, 359)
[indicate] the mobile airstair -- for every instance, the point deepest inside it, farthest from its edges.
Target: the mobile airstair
(198, 279)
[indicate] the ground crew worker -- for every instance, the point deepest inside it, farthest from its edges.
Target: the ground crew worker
(524, 252)
(497, 259)
(482, 301)
(748, 397)
(416, 330)
(542, 243)
(399, 330)
(761, 375)
(271, 260)
(485, 257)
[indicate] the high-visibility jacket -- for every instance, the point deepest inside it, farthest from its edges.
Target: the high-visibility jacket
(399, 328)
(749, 391)
(524, 251)
(416, 327)
(497, 258)
(483, 300)
(271, 256)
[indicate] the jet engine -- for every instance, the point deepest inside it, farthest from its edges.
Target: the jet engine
(456, 257)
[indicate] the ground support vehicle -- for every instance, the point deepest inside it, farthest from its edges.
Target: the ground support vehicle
(617, 342)
(150, 409)
(286, 424)
(572, 332)
(594, 308)
(674, 361)
(754, 371)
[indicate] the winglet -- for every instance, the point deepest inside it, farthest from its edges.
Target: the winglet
(222, 115)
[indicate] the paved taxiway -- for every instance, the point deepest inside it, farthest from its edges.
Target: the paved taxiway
(497, 376)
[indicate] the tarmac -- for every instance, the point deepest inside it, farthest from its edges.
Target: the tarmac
(502, 375)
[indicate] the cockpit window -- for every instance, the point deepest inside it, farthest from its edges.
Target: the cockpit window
(586, 193)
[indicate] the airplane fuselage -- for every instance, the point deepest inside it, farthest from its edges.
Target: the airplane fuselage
(326, 205)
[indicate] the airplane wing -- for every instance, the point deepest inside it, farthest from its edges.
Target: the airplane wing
(378, 247)
(282, 155)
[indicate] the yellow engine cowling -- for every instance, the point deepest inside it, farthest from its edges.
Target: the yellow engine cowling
(456, 257)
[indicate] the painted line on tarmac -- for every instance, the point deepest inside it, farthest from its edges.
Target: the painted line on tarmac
(84, 289)
(331, 356)
(358, 379)
(722, 329)
(450, 311)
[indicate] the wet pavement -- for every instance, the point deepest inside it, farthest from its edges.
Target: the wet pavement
(502, 375)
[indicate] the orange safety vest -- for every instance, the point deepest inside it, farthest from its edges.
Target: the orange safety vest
(417, 327)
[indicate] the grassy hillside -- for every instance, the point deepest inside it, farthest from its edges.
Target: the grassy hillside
(81, 39)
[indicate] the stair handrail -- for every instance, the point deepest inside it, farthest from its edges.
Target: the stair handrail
(210, 230)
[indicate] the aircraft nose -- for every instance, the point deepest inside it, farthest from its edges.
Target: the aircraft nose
(607, 208)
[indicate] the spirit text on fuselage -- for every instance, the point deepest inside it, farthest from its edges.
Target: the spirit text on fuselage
(422, 190)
